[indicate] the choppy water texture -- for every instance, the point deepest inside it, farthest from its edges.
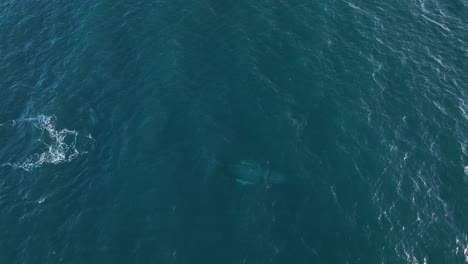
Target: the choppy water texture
(121, 122)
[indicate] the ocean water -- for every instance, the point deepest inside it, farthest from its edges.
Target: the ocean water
(136, 131)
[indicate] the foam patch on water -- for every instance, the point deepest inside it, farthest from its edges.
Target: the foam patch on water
(56, 146)
(462, 247)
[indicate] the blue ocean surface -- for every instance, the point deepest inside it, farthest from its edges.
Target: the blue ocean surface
(137, 131)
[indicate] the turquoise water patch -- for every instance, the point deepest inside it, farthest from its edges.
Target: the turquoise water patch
(137, 131)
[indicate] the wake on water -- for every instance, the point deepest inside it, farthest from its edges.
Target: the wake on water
(55, 146)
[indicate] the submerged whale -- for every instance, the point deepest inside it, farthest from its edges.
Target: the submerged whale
(251, 173)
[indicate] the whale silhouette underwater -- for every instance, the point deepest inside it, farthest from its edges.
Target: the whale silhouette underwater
(252, 173)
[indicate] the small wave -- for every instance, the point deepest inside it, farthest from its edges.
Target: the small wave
(58, 146)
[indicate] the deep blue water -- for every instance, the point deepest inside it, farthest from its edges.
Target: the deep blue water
(233, 132)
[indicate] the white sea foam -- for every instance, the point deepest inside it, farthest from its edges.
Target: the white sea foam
(462, 247)
(465, 253)
(58, 146)
(41, 200)
(463, 107)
